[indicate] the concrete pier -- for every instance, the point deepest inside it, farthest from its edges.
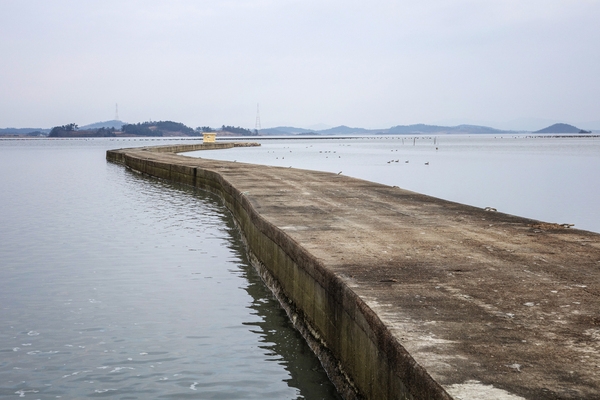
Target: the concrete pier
(405, 296)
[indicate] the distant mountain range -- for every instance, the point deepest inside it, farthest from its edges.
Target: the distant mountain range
(45, 131)
(421, 128)
(286, 130)
(414, 129)
(398, 129)
(23, 131)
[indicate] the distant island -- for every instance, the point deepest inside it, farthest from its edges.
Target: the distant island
(144, 129)
(116, 128)
(24, 132)
(415, 129)
(71, 130)
(562, 128)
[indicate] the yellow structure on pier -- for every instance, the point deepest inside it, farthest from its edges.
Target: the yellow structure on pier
(209, 137)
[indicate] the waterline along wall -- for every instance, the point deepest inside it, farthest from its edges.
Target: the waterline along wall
(406, 296)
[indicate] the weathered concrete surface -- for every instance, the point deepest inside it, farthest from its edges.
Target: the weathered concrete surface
(416, 297)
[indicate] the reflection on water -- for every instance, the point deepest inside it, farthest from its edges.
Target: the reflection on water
(114, 285)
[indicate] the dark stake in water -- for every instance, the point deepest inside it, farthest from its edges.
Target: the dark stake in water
(115, 285)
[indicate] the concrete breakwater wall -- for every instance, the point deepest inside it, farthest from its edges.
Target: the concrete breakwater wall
(179, 148)
(405, 296)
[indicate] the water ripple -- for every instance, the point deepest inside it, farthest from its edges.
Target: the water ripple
(100, 291)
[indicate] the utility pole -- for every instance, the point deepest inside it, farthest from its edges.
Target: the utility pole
(116, 111)
(257, 124)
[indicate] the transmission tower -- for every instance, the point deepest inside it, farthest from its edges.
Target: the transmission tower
(257, 125)
(116, 111)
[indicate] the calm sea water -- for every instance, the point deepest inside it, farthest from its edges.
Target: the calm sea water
(554, 179)
(115, 285)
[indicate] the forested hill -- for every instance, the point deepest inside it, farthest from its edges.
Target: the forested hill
(150, 128)
(159, 128)
(71, 130)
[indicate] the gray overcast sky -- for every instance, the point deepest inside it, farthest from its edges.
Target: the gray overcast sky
(373, 64)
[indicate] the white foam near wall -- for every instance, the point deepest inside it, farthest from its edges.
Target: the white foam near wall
(475, 390)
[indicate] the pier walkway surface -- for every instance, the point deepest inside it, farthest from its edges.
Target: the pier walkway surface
(408, 296)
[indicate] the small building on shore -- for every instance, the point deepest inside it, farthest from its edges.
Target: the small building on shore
(209, 137)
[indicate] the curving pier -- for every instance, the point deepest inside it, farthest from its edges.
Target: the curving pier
(406, 296)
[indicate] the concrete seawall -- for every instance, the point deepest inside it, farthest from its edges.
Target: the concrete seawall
(402, 295)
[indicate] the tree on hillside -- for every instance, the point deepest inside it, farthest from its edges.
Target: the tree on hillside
(59, 131)
(105, 132)
(171, 126)
(159, 128)
(238, 130)
(140, 129)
